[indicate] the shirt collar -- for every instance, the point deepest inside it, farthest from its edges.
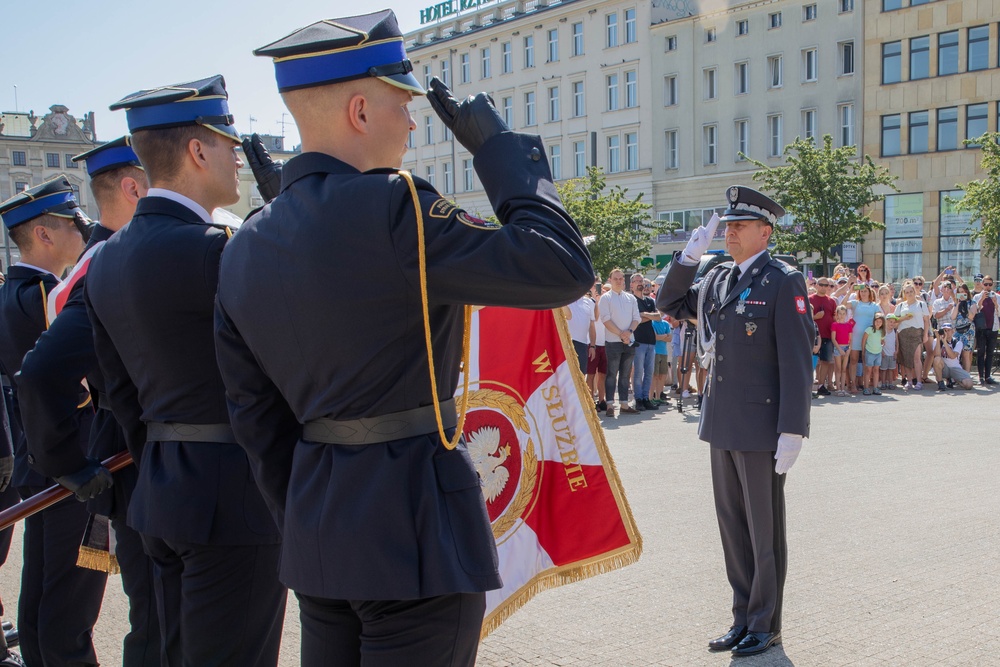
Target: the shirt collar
(36, 268)
(187, 202)
(747, 263)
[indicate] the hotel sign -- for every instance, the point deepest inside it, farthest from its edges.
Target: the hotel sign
(447, 8)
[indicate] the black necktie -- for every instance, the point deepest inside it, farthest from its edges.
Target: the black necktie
(734, 277)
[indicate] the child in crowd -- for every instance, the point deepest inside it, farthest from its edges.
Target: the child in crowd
(871, 345)
(841, 332)
(888, 367)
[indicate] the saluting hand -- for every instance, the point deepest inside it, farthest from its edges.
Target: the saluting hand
(700, 239)
(266, 171)
(474, 121)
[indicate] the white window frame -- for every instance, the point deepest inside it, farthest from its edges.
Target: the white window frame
(775, 71)
(631, 151)
(631, 89)
(672, 149)
(847, 55)
(553, 97)
(506, 57)
(631, 34)
(484, 57)
(711, 35)
(611, 29)
(710, 144)
(775, 135)
(774, 20)
(507, 110)
(845, 118)
(611, 82)
(810, 65)
(428, 75)
(671, 94)
(465, 67)
(529, 51)
(428, 130)
(741, 77)
(449, 185)
(741, 131)
(579, 99)
(670, 43)
(846, 6)
(579, 159)
(429, 174)
(577, 32)
(468, 173)
(614, 144)
(555, 161)
(742, 27)
(809, 123)
(710, 82)
(553, 44)
(529, 109)
(809, 12)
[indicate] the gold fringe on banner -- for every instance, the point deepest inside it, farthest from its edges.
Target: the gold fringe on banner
(97, 559)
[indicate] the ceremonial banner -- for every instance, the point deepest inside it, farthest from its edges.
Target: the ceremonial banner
(553, 495)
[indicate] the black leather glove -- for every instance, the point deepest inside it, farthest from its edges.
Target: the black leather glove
(88, 482)
(266, 171)
(6, 470)
(473, 121)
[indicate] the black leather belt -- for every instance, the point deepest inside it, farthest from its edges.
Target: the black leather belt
(171, 431)
(372, 430)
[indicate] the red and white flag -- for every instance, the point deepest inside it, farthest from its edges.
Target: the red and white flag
(60, 293)
(557, 507)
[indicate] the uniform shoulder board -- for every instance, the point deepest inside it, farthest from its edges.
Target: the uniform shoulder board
(785, 267)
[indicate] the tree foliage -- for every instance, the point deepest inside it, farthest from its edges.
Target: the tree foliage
(621, 225)
(982, 197)
(826, 190)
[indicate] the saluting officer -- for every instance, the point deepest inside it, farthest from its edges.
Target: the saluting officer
(49, 384)
(150, 294)
(59, 602)
(750, 312)
(387, 542)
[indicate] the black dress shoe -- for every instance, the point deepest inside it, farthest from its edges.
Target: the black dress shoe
(602, 405)
(756, 642)
(728, 640)
(990, 381)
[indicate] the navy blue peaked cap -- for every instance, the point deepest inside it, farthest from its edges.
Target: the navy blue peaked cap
(53, 197)
(335, 50)
(748, 204)
(202, 102)
(108, 156)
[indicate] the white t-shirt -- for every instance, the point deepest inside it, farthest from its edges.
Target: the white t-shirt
(602, 331)
(942, 304)
(621, 309)
(889, 344)
(579, 324)
(919, 310)
(957, 361)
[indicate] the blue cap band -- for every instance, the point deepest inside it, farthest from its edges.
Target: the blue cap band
(111, 158)
(336, 66)
(174, 114)
(55, 202)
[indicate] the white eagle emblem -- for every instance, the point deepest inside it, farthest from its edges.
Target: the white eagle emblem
(488, 457)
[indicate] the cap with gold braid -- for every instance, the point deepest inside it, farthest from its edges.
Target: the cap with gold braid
(108, 156)
(202, 102)
(53, 197)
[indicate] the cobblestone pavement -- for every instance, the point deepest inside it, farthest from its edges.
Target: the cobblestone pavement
(893, 532)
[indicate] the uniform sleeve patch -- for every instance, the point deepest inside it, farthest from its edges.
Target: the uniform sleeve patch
(800, 305)
(477, 223)
(442, 208)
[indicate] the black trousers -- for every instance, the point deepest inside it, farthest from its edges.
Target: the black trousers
(142, 646)
(986, 343)
(59, 602)
(219, 606)
(442, 631)
(750, 507)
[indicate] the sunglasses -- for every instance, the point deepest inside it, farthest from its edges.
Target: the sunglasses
(918, 282)
(988, 284)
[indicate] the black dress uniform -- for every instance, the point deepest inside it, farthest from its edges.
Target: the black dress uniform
(150, 293)
(49, 385)
(759, 386)
(59, 602)
(376, 530)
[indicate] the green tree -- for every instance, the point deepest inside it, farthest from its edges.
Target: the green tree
(825, 189)
(982, 197)
(621, 225)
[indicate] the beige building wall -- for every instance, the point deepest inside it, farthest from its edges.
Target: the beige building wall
(921, 236)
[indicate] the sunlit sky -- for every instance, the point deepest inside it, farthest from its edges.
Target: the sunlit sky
(87, 55)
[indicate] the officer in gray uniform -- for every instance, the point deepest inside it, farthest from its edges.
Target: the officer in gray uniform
(750, 312)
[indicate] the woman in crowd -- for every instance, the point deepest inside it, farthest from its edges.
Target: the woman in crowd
(863, 314)
(986, 333)
(914, 329)
(864, 274)
(885, 299)
(962, 314)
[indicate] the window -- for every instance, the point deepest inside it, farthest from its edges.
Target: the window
(947, 129)
(846, 114)
(774, 20)
(710, 35)
(553, 104)
(809, 67)
(742, 133)
(485, 56)
(956, 248)
(711, 83)
(614, 154)
(808, 13)
(891, 62)
(553, 46)
(465, 68)
(947, 53)
(529, 50)
(975, 122)
(671, 153)
(52, 160)
(529, 108)
(446, 134)
(711, 141)
(846, 50)
(920, 58)
(774, 71)
(19, 187)
(630, 32)
(611, 26)
(506, 58)
(631, 89)
(775, 142)
(428, 130)
(449, 182)
(671, 43)
(742, 78)
(670, 91)
(904, 230)
(577, 39)
(410, 140)
(919, 130)
(890, 135)
(507, 104)
(809, 124)
(742, 27)
(979, 48)
(612, 81)
(579, 159)
(446, 72)
(578, 105)
(18, 158)
(846, 6)
(555, 161)
(890, 5)
(429, 174)
(468, 175)
(428, 74)
(68, 161)
(631, 151)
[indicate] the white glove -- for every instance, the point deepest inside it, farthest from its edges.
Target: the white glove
(788, 450)
(700, 239)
